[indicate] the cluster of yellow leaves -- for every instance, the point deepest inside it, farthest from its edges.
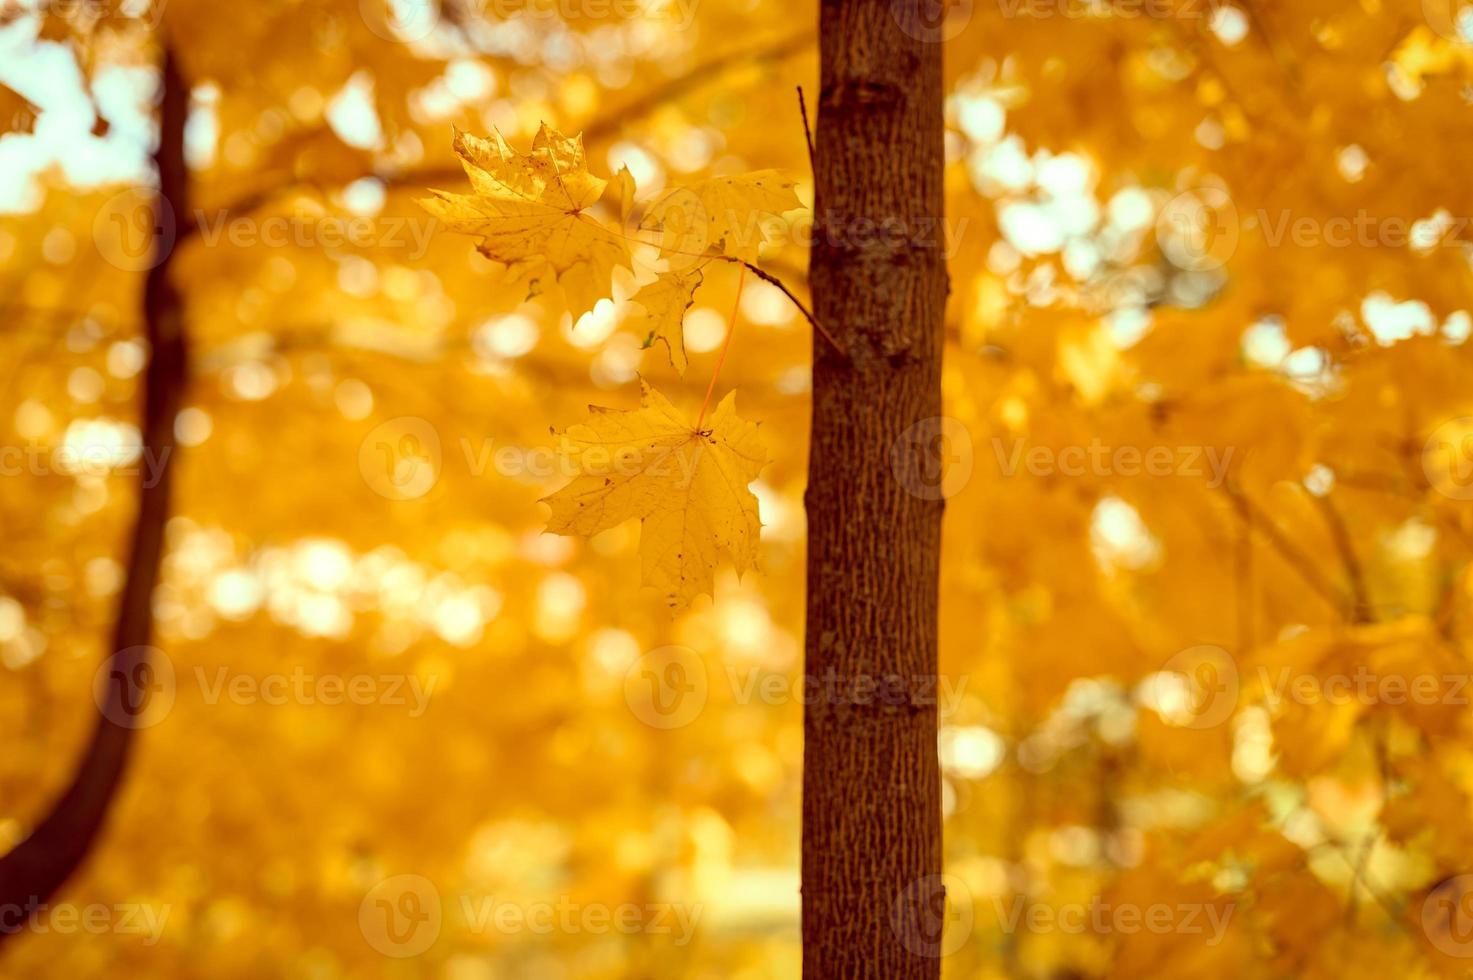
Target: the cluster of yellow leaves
(688, 484)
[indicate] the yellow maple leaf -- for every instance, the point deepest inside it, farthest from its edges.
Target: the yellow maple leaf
(531, 213)
(665, 301)
(688, 487)
(623, 193)
(719, 215)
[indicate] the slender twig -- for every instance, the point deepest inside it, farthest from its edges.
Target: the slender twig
(1361, 876)
(755, 270)
(807, 133)
(1287, 549)
(1243, 579)
(1362, 864)
(1346, 549)
(768, 277)
(1282, 54)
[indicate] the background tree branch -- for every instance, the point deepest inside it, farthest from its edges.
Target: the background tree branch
(41, 863)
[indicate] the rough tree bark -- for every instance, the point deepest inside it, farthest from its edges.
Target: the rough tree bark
(38, 866)
(871, 783)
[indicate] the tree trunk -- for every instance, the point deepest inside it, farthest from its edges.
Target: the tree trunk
(871, 783)
(37, 867)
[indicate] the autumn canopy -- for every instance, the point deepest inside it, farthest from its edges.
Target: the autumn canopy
(684, 488)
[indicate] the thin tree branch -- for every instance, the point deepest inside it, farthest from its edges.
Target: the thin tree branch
(607, 125)
(38, 866)
(1243, 580)
(782, 288)
(1346, 548)
(807, 133)
(1287, 549)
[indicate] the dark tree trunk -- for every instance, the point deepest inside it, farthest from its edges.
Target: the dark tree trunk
(37, 867)
(871, 783)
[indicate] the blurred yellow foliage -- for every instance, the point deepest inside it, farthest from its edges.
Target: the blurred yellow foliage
(1206, 583)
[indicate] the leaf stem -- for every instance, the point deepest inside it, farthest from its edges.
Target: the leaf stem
(736, 308)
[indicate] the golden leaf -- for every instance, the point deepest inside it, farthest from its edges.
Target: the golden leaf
(623, 191)
(666, 300)
(720, 215)
(688, 487)
(531, 213)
